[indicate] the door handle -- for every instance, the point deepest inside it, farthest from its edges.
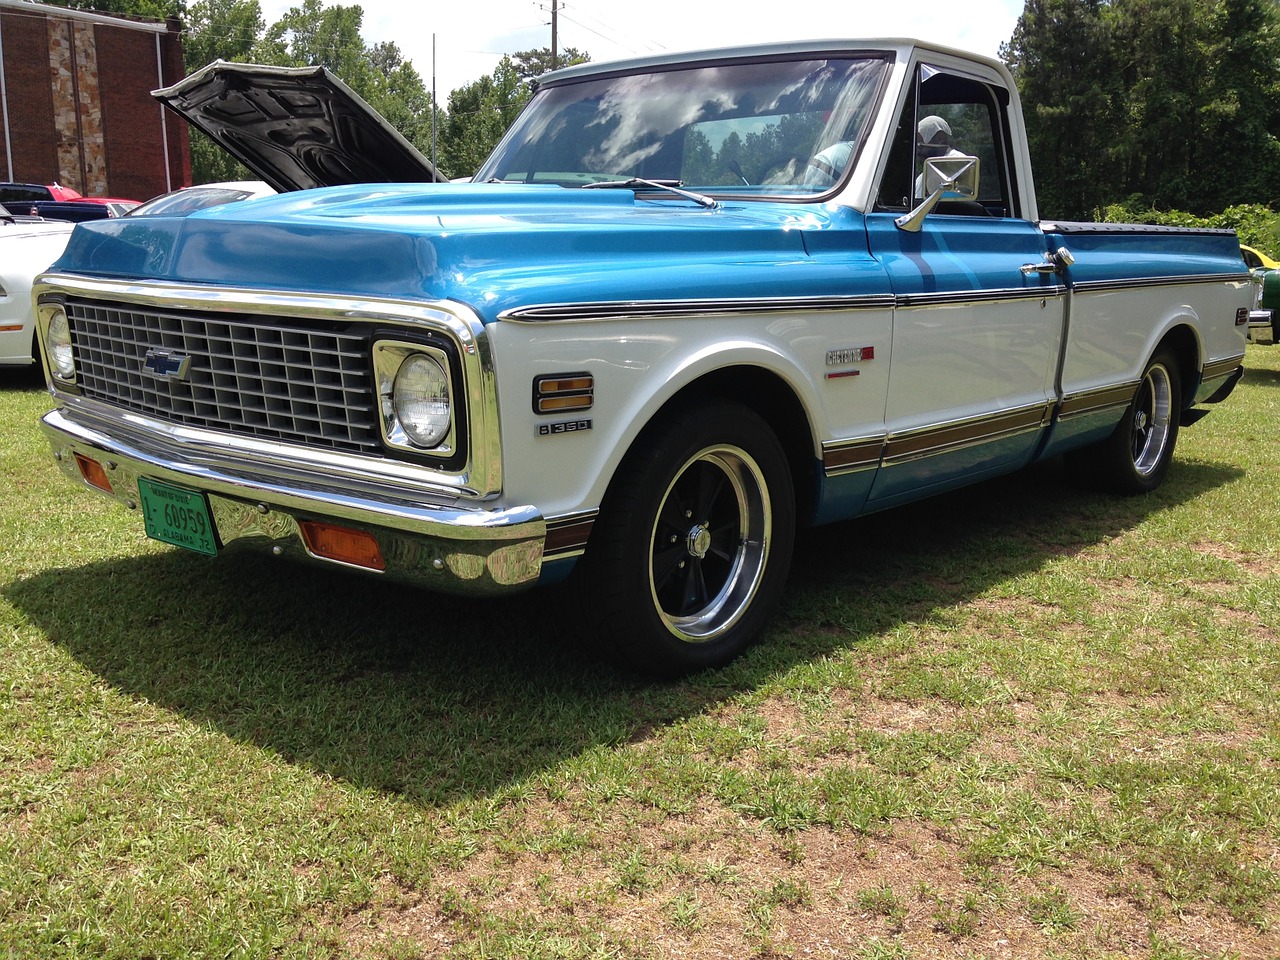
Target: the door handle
(1046, 268)
(1053, 263)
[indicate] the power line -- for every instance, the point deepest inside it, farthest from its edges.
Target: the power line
(625, 44)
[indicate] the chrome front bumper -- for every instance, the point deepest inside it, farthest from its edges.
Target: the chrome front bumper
(426, 538)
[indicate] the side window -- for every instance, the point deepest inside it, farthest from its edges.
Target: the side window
(946, 115)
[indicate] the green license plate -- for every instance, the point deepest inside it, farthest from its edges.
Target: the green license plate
(177, 516)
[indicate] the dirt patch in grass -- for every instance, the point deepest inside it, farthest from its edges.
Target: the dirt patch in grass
(712, 885)
(1248, 562)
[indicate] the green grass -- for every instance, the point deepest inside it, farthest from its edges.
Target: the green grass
(1021, 720)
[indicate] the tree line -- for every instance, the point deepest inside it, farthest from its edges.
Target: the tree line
(1145, 104)
(1163, 104)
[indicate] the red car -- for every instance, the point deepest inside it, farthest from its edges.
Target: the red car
(117, 205)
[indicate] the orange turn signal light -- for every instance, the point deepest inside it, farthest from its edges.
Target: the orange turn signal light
(342, 544)
(557, 393)
(93, 473)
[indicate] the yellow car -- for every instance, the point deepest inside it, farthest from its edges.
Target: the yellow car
(1257, 259)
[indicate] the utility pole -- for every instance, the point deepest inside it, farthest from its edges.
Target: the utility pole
(555, 29)
(434, 112)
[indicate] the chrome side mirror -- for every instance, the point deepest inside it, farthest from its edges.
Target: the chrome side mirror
(953, 178)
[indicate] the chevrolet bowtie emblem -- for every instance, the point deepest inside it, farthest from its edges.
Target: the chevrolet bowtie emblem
(167, 364)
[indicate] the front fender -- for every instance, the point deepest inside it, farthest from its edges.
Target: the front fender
(638, 368)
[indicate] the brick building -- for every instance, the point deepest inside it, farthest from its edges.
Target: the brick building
(76, 106)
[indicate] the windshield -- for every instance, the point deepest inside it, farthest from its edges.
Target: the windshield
(778, 128)
(189, 200)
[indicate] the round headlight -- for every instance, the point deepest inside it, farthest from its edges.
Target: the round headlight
(421, 400)
(59, 343)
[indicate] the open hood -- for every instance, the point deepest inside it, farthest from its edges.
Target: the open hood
(295, 127)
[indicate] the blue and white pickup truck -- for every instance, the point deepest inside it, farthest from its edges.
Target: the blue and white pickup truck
(688, 305)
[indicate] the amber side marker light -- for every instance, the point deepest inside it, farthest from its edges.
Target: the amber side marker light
(93, 473)
(342, 544)
(561, 392)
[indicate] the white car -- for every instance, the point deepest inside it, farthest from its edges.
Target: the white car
(27, 247)
(178, 203)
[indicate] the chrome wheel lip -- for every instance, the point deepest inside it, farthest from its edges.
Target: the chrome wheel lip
(1152, 421)
(732, 598)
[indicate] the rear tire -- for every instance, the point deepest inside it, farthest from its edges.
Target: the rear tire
(691, 551)
(1137, 455)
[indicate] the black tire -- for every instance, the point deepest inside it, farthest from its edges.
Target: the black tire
(1137, 455)
(689, 556)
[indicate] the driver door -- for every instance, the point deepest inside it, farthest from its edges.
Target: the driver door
(976, 339)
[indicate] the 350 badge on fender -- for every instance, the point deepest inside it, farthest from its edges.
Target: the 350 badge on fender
(563, 426)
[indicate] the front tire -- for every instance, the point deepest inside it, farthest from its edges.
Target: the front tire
(1137, 455)
(694, 540)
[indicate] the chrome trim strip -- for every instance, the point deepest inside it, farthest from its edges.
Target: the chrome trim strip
(654, 309)
(480, 477)
(649, 309)
(1096, 286)
(1094, 401)
(943, 438)
(960, 297)
(567, 536)
(841, 457)
(1213, 369)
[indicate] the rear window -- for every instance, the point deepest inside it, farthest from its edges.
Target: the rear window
(23, 193)
(187, 201)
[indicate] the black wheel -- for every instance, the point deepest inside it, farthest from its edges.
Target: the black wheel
(691, 550)
(1136, 457)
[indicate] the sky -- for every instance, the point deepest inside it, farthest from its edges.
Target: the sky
(471, 37)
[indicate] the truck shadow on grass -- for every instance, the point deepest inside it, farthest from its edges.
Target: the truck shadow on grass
(440, 698)
(1260, 377)
(22, 379)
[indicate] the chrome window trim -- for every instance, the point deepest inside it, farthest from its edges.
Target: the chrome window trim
(479, 478)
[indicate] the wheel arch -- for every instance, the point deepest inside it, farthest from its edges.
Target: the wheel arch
(1183, 342)
(771, 397)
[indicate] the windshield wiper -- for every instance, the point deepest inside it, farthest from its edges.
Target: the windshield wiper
(673, 185)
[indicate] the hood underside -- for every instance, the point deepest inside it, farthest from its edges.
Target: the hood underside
(295, 127)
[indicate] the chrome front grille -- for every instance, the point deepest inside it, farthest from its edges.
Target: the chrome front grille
(299, 381)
